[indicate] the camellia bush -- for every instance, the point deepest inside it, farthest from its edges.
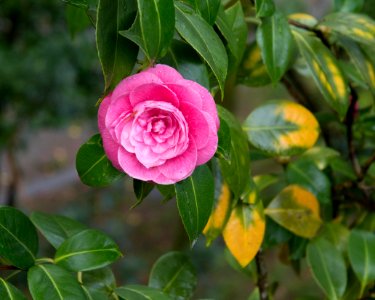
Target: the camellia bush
(167, 119)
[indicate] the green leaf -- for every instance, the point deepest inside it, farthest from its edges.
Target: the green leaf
(140, 292)
(357, 27)
(153, 27)
(195, 197)
(276, 43)
(296, 209)
(362, 256)
(236, 171)
(141, 190)
(264, 181)
(56, 229)
(77, 20)
(264, 8)
(324, 70)
(349, 5)
(117, 54)
(328, 267)
(92, 164)
(175, 275)
(18, 238)
(337, 234)
(187, 62)
(201, 36)
(87, 250)
(342, 169)
(9, 291)
(167, 191)
(306, 174)
(232, 25)
(224, 144)
(282, 128)
(208, 9)
(321, 156)
(99, 283)
(47, 282)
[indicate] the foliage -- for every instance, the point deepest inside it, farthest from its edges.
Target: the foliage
(318, 207)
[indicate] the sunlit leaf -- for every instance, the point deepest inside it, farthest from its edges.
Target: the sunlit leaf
(304, 19)
(244, 232)
(9, 292)
(328, 267)
(324, 70)
(18, 238)
(174, 275)
(297, 210)
(140, 292)
(282, 128)
(276, 43)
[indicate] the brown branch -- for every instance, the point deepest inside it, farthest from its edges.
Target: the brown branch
(262, 276)
(6, 268)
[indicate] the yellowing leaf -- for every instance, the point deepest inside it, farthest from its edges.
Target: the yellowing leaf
(219, 215)
(303, 18)
(244, 232)
(282, 128)
(296, 209)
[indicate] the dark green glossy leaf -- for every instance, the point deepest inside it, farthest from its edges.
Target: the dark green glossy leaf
(328, 267)
(168, 191)
(140, 292)
(56, 229)
(349, 5)
(224, 144)
(337, 234)
(47, 282)
(174, 274)
(342, 169)
(232, 25)
(275, 234)
(153, 27)
(9, 291)
(307, 175)
(18, 238)
(324, 70)
(201, 36)
(264, 8)
(276, 43)
(117, 54)
(361, 250)
(88, 250)
(141, 190)
(99, 283)
(195, 197)
(93, 166)
(235, 171)
(208, 9)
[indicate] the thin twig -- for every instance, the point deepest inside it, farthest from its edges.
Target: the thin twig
(366, 166)
(262, 276)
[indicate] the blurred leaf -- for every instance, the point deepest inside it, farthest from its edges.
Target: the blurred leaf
(297, 247)
(282, 128)
(357, 27)
(77, 20)
(201, 36)
(244, 232)
(187, 62)
(328, 267)
(275, 41)
(264, 8)
(253, 71)
(275, 234)
(249, 270)
(264, 181)
(208, 9)
(219, 215)
(224, 144)
(87, 250)
(168, 191)
(56, 229)
(47, 282)
(297, 210)
(141, 190)
(320, 156)
(232, 25)
(99, 283)
(324, 70)
(342, 169)
(348, 5)
(117, 54)
(18, 238)
(9, 291)
(303, 18)
(361, 250)
(236, 171)
(153, 27)
(195, 196)
(175, 275)
(92, 164)
(140, 292)
(337, 234)
(255, 295)
(306, 174)
(353, 289)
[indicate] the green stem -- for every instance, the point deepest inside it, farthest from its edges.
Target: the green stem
(44, 260)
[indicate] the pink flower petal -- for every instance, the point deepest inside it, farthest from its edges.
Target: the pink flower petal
(185, 94)
(206, 153)
(161, 179)
(155, 92)
(166, 73)
(116, 109)
(182, 166)
(102, 112)
(111, 148)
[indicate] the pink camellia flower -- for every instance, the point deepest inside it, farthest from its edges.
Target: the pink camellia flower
(157, 126)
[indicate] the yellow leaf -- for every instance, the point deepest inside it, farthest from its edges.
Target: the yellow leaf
(296, 209)
(219, 215)
(244, 232)
(303, 18)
